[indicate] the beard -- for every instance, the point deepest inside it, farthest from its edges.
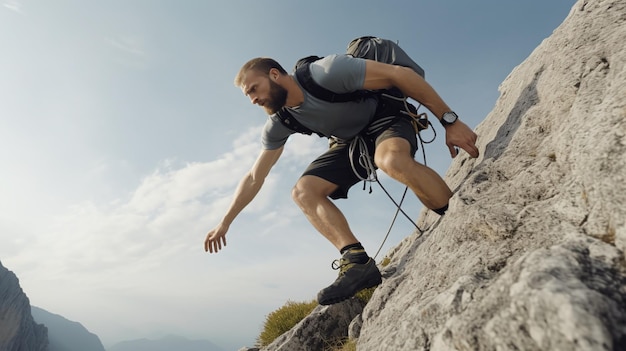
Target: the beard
(276, 100)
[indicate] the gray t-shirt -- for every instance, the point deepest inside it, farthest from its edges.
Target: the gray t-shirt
(337, 73)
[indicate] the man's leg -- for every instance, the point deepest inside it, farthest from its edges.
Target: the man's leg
(311, 194)
(330, 175)
(393, 156)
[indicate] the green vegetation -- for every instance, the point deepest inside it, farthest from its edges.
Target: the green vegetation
(283, 319)
(348, 345)
(365, 295)
(344, 344)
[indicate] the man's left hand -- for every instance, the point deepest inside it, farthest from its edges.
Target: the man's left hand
(460, 135)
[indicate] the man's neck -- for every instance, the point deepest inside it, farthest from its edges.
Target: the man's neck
(295, 95)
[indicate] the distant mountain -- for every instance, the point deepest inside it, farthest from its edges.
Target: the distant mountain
(18, 331)
(168, 343)
(65, 335)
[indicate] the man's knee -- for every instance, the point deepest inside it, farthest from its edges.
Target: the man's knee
(393, 155)
(393, 162)
(310, 189)
(298, 192)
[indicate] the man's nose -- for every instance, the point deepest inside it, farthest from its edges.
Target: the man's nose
(254, 99)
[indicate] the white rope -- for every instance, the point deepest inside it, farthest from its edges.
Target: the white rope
(365, 160)
(358, 144)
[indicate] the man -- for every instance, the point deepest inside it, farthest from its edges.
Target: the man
(330, 176)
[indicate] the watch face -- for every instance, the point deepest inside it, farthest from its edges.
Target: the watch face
(449, 117)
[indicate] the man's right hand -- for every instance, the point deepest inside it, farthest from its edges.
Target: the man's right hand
(215, 239)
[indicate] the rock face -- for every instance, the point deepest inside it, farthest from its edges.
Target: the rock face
(323, 327)
(530, 255)
(18, 331)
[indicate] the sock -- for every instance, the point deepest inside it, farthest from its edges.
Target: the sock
(441, 211)
(351, 246)
(360, 256)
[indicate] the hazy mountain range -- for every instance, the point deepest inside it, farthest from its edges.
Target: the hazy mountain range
(66, 335)
(167, 343)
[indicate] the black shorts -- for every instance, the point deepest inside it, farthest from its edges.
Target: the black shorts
(334, 165)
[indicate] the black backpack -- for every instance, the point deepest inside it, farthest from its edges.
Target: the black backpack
(373, 48)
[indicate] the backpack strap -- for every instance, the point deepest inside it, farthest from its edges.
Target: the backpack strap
(289, 121)
(303, 74)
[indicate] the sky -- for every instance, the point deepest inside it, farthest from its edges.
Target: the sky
(123, 138)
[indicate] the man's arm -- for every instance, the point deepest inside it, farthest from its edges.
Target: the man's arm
(248, 188)
(379, 75)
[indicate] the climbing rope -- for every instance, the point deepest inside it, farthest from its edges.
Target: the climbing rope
(366, 161)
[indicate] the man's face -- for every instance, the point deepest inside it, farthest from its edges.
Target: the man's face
(264, 92)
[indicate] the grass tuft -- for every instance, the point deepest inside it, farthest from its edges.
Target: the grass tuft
(345, 345)
(283, 319)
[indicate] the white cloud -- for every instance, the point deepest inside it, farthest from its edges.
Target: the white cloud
(162, 212)
(304, 148)
(165, 217)
(145, 249)
(130, 44)
(13, 5)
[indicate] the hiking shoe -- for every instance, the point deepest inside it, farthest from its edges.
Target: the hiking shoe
(353, 277)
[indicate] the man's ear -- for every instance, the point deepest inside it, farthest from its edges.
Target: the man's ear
(274, 74)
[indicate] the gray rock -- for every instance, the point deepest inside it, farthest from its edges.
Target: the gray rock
(531, 253)
(354, 329)
(18, 330)
(324, 326)
(564, 297)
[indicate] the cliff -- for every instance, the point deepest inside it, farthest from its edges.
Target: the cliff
(18, 330)
(530, 255)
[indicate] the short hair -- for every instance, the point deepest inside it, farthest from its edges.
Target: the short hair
(260, 64)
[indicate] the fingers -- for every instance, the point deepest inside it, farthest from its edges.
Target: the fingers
(453, 150)
(214, 244)
(217, 244)
(461, 137)
(471, 149)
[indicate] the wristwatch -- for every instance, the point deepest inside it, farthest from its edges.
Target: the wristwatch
(448, 118)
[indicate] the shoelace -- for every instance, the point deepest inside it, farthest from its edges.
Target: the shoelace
(340, 264)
